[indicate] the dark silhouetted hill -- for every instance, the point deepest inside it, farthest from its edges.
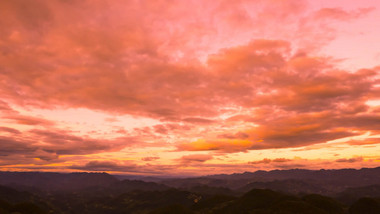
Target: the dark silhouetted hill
(273, 192)
(365, 206)
(287, 186)
(328, 182)
(13, 201)
(271, 202)
(55, 181)
(207, 190)
(350, 195)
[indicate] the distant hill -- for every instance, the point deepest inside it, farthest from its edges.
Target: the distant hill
(350, 195)
(13, 201)
(348, 176)
(292, 192)
(126, 186)
(199, 181)
(271, 202)
(12, 195)
(55, 181)
(345, 184)
(292, 181)
(140, 178)
(290, 186)
(207, 190)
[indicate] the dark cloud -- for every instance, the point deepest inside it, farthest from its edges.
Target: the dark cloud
(198, 120)
(49, 145)
(150, 158)
(28, 120)
(105, 166)
(265, 160)
(195, 159)
(9, 130)
(112, 166)
(239, 135)
(281, 160)
(350, 160)
(11, 146)
(63, 143)
(291, 166)
(161, 129)
(43, 155)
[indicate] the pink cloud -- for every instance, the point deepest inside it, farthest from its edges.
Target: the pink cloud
(140, 79)
(28, 120)
(5, 108)
(340, 14)
(184, 68)
(9, 130)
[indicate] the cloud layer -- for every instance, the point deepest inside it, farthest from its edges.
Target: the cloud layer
(220, 78)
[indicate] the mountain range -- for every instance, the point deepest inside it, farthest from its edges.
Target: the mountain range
(277, 191)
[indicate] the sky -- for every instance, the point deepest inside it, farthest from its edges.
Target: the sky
(188, 88)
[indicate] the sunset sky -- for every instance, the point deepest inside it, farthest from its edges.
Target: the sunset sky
(166, 87)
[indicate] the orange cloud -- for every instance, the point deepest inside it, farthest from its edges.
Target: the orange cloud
(224, 145)
(236, 76)
(367, 141)
(266, 161)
